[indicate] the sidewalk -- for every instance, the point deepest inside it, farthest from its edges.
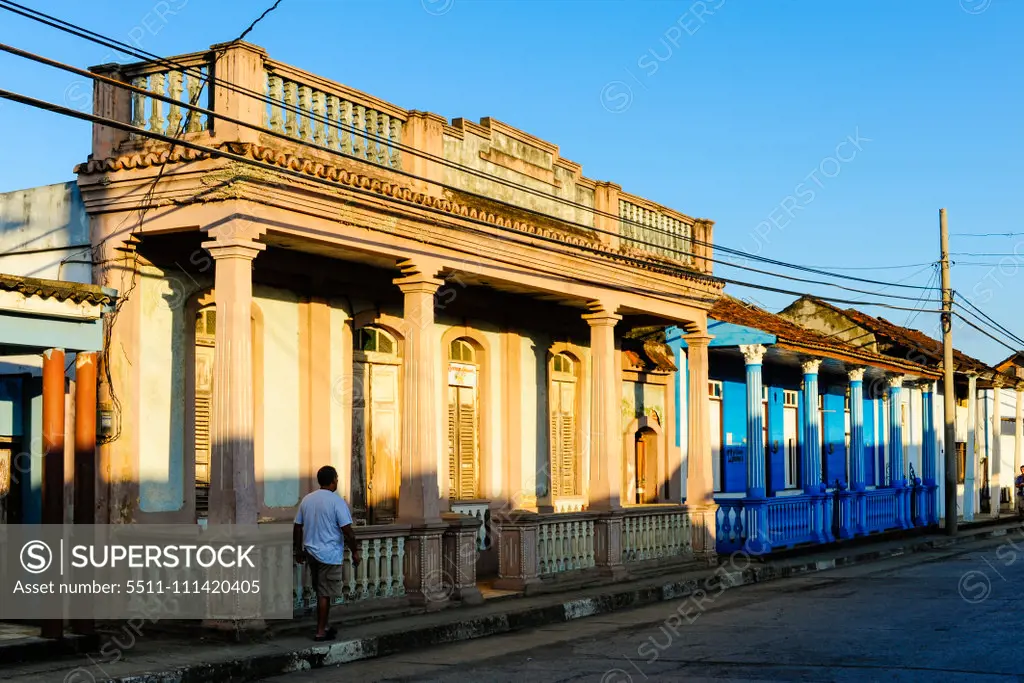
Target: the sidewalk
(132, 658)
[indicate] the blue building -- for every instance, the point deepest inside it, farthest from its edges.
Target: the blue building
(813, 439)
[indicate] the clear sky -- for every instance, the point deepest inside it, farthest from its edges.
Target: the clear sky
(733, 110)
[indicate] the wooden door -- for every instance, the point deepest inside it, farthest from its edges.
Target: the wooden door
(205, 350)
(715, 431)
(5, 481)
(383, 457)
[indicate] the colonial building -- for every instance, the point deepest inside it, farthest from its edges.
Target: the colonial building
(814, 439)
(988, 444)
(449, 312)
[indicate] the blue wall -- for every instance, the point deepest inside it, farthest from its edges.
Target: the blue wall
(734, 424)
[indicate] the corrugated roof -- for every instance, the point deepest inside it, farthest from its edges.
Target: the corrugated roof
(793, 336)
(55, 289)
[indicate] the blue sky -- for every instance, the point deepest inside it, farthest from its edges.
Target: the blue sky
(733, 110)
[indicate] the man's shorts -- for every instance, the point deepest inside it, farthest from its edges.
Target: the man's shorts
(328, 581)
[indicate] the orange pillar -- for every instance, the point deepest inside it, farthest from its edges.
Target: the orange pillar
(53, 454)
(85, 439)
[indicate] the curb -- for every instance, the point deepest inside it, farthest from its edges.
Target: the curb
(342, 652)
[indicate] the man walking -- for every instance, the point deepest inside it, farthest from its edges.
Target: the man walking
(322, 526)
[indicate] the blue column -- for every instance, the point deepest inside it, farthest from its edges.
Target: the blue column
(929, 462)
(810, 471)
(897, 476)
(755, 434)
(858, 468)
(757, 534)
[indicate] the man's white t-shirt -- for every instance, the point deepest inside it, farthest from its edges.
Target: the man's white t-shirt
(322, 513)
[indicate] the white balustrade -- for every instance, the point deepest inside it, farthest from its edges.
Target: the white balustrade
(655, 232)
(653, 535)
(188, 86)
(379, 575)
(565, 545)
(480, 510)
(330, 120)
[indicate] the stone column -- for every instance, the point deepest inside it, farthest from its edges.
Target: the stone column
(605, 490)
(756, 503)
(700, 485)
(419, 495)
(897, 477)
(995, 464)
(810, 470)
(605, 399)
(233, 491)
(971, 461)
(856, 454)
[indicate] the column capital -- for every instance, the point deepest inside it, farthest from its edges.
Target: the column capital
(753, 354)
(895, 381)
(856, 374)
(601, 313)
(998, 383)
(418, 275)
(234, 247)
(698, 339)
(811, 367)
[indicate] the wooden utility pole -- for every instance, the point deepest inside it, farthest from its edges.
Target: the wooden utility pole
(948, 394)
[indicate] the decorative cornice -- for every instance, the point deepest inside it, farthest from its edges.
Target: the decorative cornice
(386, 188)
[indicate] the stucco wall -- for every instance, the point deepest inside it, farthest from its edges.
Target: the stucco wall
(522, 163)
(41, 227)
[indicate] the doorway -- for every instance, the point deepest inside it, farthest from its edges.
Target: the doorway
(646, 467)
(790, 434)
(376, 422)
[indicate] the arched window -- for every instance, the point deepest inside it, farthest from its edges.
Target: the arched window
(563, 400)
(463, 420)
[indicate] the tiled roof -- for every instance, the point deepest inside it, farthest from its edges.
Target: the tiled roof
(918, 342)
(55, 289)
(790, 335)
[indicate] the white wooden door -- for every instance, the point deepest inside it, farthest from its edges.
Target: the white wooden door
(715, 412)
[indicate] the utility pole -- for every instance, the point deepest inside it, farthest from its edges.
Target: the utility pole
(948, 394)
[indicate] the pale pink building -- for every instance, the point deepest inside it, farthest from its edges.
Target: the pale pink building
(450, 313)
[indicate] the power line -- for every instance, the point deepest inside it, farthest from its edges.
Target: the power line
(195, 109)
(263, 97)
(978, 311)
(987, 234)
(65, 111)
(990, 336)
(258, 20)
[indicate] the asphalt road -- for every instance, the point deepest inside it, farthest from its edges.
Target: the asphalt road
(952, 615)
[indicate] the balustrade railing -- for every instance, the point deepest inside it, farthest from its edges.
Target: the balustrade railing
(379, 574)
(480, 510)
(881, 509)
(565, 544)
(188, 84)
(790, 521)
(330, 117)
(655, 231)
(651, 534)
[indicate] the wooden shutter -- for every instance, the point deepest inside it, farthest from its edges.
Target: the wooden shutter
(5, 482)
(565, 478)
(203, 414)
(467, 443)
(453, 442)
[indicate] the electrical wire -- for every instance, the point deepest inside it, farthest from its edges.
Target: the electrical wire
(200, 110)
(996, 325)
(263, 97)
(58, 109)
(984, 332)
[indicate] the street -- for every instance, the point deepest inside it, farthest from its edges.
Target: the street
(950, 615)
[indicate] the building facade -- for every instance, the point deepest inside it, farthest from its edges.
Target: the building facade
(449, 313)
(813, 439)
